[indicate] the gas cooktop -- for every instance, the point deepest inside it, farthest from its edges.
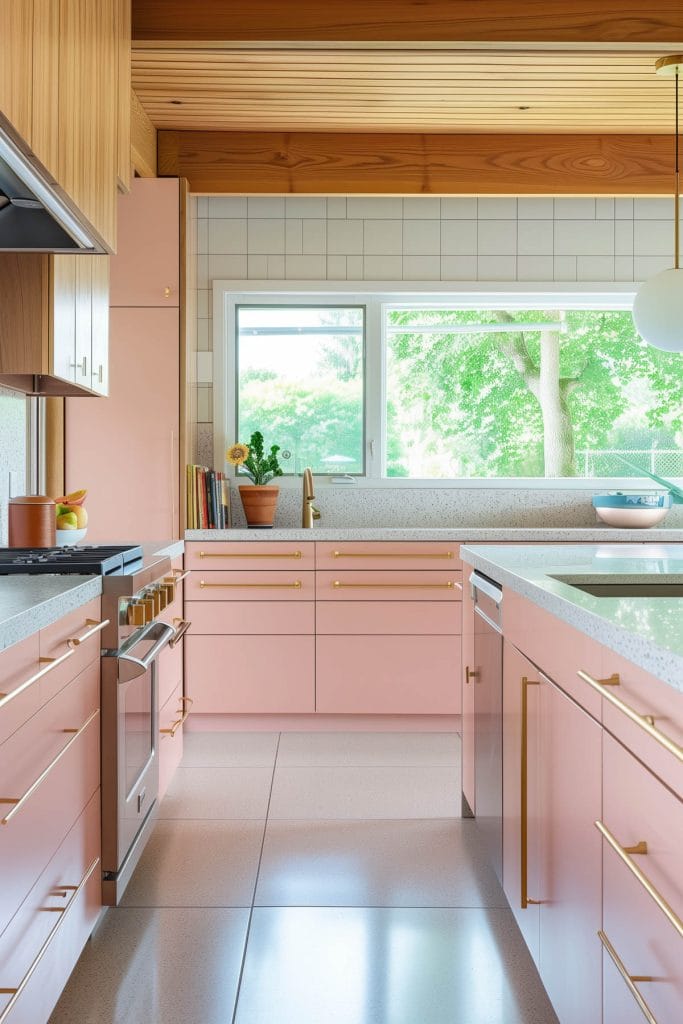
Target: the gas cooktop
(85, 560)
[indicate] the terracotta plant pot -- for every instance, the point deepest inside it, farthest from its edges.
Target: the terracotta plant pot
(259, 504)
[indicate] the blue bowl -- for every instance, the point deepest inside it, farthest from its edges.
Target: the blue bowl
(660, 499)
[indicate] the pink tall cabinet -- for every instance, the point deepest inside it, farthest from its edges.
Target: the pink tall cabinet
(126, 450)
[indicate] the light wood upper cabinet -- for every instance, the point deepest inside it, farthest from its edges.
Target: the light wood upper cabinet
(123, 153)
(45, 87)
(54, 322)
(16, 62)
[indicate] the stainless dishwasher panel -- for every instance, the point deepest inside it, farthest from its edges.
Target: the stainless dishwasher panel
(488, 716)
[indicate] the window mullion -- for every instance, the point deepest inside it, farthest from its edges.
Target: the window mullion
(374, 391)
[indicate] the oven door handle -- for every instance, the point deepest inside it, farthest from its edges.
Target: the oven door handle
(131, 667)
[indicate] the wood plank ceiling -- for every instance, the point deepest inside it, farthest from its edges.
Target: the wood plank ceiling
(205, 86)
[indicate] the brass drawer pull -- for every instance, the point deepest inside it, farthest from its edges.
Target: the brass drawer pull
(623, 854)
(296, 585)
(392, 554)
(252, 554)
(450, 585)
(49, 663)
(96, 627)
(18, 802)
(173, 728)
(645, 722)
(181, 628)
(524, 809)
(15, 993)
(630, 979)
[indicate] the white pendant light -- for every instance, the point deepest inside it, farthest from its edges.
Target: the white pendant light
(658, 306)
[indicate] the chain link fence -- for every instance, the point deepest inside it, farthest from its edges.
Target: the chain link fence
(602, 462)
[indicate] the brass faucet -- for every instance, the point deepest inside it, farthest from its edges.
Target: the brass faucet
(308, 511)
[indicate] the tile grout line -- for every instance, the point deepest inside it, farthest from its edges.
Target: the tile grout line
(253, 895)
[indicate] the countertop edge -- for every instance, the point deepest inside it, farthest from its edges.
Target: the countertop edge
(29, 621)
(661, 663)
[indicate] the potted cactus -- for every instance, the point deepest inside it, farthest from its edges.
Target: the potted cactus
(259, 499)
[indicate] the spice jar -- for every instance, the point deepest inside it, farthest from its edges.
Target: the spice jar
(32, 521)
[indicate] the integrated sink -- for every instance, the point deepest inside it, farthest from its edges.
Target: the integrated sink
(620, 589)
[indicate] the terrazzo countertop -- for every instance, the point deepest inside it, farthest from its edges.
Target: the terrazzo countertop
(647, 631)
(29, 603)
(461, 534)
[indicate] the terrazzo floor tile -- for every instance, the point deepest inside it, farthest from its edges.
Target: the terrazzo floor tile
(198, 864)
(217, 793)
(370, 792)
(380, 966)
(157, 967)
(229, 749)
(369, 748)
(376, 864)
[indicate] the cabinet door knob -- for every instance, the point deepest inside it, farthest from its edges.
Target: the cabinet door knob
(167, 292)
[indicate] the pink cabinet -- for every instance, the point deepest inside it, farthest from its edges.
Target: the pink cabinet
(293, 556)
(146, 270)
(552, 866)
(339, 555)
(125, 451)
(171, 716)
(19, 696)
(467, 691)
(642, 839)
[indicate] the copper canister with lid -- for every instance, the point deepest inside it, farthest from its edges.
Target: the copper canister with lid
(32, 521)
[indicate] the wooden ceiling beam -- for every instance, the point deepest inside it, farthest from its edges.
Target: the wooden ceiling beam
(400, 21)
(409, 164)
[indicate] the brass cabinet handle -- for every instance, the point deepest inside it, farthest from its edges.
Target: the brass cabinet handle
(623, 853)
(18, 802)
(49, 663)
(252, 554)
(450, 585)
(167, 292)
(392, 554)
(180, 630)
(15, 993)
(296, 585)
(172, 730)
(645, 722)
(524, 807)
(96, 627)
(630, 979)
(470, 674)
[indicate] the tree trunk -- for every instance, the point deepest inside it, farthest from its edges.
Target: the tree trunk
(558, 432)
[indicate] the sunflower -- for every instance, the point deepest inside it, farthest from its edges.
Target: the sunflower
(237, 454)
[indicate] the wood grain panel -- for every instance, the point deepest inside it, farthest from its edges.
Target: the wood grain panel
(23, 312)
(16, 63)
(45, 134)
(398, 20)
(413, 90)
(328, 163)
(143, 140)
(123, 20)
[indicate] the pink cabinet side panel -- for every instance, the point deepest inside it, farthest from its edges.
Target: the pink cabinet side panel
(388, 675)
(224, 675)
(145, 270)
(124, 449)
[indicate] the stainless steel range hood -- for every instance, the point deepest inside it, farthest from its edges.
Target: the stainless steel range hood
(33, 216)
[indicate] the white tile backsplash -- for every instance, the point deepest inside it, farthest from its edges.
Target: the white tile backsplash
(305, 206)
(421, 268)
(496, 268)
(302, 268)
(459, 208)
(535, 208)
(574, 209)
(345, 236)
(458, 237)
(497, 237)
(382, 268)
(595, 268)
(261, 206)
(225, 206)
(314, 239)
(535, 237)
(653, 237)
(266, 234)
(382, 237)
(459, 268)
(227, 235)
(584, 237)
(496, 208)
(421, 237)
(421, 208)
(227, 267)
(654, 208)
(374, 207)
(294, 234)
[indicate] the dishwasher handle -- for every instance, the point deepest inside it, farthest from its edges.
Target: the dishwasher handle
(487, 586)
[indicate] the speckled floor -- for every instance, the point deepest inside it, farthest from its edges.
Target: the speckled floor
(310, 879)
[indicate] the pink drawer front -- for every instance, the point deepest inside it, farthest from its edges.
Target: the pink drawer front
(250, 586)
(171, 737)
(557, 649)
(54, 907)
(227, 675)
(250, 617)
(49, 769)
(423, 618)
(58, 638)
(386, 555)
(388, 675)
(279, 555)
(18, 665)
(40, 915)
(645, 695)
(377, 585)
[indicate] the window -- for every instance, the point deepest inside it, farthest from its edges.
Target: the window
(449, 386)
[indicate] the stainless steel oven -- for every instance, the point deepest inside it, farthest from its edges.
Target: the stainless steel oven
(130, 730)
(488, 715)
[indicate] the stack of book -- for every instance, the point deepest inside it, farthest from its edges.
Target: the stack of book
(208, 499)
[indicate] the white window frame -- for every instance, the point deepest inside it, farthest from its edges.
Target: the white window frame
(375, 296)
